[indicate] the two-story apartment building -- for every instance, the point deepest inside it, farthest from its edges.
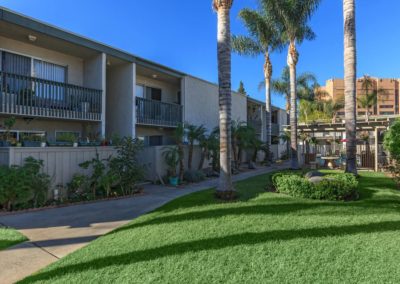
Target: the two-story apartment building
(55, 81)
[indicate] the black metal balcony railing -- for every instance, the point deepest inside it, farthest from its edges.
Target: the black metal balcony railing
(151, 112)
(29, 96)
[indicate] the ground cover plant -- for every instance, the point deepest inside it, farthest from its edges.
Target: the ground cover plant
(264, 237)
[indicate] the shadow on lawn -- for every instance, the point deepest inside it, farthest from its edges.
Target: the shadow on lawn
(215, 244)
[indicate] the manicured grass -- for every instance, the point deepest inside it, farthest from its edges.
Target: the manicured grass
(10, 237)
(263, 238)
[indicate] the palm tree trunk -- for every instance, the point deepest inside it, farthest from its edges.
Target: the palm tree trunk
(292, 60)
(190, 154)
(350, 84)
(225, 101)
(268, 75)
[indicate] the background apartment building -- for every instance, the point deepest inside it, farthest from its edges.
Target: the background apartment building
(387, 94)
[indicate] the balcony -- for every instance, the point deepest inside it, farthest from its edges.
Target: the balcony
(33, 97)
(151, 112)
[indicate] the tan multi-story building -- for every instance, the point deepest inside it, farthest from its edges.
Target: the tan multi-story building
(387, 90)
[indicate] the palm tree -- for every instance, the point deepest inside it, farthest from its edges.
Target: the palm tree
(350, 70)
(331, 108)
(367, 101)
(194, 133)
(178, 136)
(293, 17)
(223, 7)
(305, 81)
(264, 37)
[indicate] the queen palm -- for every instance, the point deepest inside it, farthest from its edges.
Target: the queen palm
(263, 38)
(350, 84)
(293, 17)
(223, 7)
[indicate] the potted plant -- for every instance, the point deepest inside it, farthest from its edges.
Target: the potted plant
(67, 139)
(171, 157)
(32, 141)
(6, 137)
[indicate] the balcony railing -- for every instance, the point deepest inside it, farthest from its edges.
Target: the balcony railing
(33, 97)
(150, 112)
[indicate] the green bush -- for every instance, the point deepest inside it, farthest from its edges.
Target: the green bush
(23, 187)
(392, 145)
(332, 187)
(194, 176)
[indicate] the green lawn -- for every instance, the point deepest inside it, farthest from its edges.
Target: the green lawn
(265, 237)
(9, 237)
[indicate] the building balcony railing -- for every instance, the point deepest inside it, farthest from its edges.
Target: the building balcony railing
(151, 112)
(34, 97)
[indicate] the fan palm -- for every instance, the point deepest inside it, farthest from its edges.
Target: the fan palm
(264, 37)
(223, 8)
(350, 70)
(293, 17)
(194, 133)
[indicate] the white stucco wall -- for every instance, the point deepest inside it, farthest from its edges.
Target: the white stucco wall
(120, 111)
(75, 65)
(201, 103)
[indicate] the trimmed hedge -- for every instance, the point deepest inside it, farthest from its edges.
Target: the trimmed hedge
(333, 187)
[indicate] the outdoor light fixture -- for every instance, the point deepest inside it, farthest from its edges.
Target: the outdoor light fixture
(155, 76)
(32, 38)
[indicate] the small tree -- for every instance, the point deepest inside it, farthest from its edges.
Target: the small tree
(241, 89)
(194, 133)
(392, 145)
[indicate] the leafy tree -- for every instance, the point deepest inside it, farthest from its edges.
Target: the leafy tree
(241, 89)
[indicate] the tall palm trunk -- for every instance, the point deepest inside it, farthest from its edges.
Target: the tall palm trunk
(292, 60)
(225, 101)
(350, 83)
(268, 75)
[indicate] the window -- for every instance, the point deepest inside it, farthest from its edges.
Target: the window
(15, 64)
(155, 140)
(139, 91)
(52, 72)
(386, 106)
(274, 117)
(153, 93)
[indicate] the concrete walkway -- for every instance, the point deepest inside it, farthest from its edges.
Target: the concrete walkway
(54, 233)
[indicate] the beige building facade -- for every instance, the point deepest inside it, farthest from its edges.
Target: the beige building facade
(387, 90)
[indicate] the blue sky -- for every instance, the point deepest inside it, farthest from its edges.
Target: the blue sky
(182, 35)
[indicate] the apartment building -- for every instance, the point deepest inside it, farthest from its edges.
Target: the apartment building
(57, 83)
(387, 94)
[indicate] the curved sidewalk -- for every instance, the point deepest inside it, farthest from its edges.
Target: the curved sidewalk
(55, 233)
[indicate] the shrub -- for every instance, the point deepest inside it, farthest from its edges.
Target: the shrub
(392, 145)
(23, 186)
(126, 167)
(39, 182)
(194, 176)
(332, 187)
(293, 185)
(79, 188)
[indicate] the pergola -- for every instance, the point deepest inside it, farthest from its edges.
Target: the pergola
(376, 124)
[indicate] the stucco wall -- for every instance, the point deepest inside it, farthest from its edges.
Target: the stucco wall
(169, 91)
(120, 110)
(201, 103)
(75, 64)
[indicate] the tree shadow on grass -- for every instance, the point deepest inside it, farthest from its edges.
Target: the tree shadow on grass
(214, 244)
